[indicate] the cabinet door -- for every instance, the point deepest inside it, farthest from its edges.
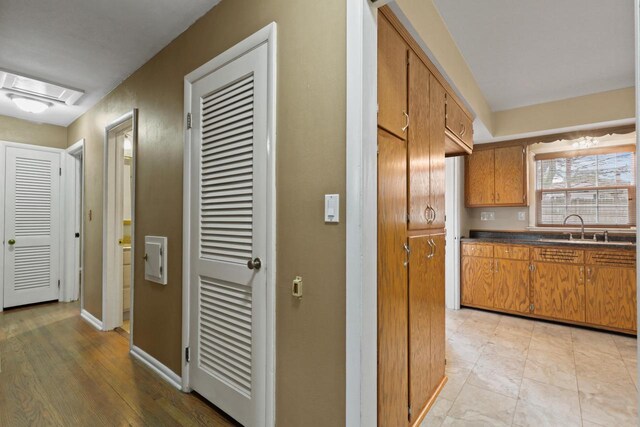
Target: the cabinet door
(421, 307)
(418, 145)
(511, 285)
(510, 176)
(392, 78)
(437, 282)
(479, 178)
(477, 281)
(392, 281)
(611, 297)
(437, 148)
(558, 291)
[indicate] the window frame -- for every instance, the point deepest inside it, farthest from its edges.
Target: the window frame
(567, 154)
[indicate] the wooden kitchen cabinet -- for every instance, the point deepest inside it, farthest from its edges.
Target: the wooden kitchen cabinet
(392, 281)
(459, 126)
(477, 281)
(426, 319)
(480, 178)
(496, 177)
(611, 289)
(392, 79)
(558, 291)
(511, 285)
(426, 148)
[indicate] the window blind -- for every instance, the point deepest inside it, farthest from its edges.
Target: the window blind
(597, 184)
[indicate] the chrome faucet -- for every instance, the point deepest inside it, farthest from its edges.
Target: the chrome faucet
(581, 221)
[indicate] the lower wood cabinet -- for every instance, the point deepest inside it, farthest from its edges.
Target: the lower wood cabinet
(592, 287)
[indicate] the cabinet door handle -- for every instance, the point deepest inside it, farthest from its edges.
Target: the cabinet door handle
(408, 251)
(496, 267)
(406, 126)
(589, 272)
(433, 214)
(463, 129)
(432, 245)
(427, 214)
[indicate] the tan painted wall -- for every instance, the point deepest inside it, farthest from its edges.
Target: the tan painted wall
(431, 28)
(311, 162)
(583, 110)
(26, 132)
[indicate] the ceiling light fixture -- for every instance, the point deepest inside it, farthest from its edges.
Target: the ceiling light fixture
(29, 105)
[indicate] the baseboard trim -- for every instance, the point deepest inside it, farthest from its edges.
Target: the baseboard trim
(430, 403)
(91, 319)
(165, 373)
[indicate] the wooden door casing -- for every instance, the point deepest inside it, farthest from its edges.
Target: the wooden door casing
(611, 297)
(392, 79)
(421, 307)
(510, 175)
(418, 145)
(511, 285)
(558, 291)
(477, 281)
(480, 178)
(392, 281)
(437, 96)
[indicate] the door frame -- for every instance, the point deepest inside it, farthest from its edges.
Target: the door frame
(71, 287)
(454, 201)
(3, 148)
(112, 295)
(268, 36)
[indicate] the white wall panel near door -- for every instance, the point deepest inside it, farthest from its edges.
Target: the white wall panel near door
(32, 226)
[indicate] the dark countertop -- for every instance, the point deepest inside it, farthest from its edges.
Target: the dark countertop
(538, 239)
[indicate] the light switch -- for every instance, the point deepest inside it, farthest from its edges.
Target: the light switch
(296, 288)
(331, 208)
(155, 259)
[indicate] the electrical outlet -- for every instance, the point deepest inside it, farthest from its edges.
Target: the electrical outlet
(522, 216)
(487, 216)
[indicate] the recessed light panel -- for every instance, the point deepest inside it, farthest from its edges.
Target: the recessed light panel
(16, 83)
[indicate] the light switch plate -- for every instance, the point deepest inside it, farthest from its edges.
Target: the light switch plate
(331, 208)
(155, 259)
(522, 216)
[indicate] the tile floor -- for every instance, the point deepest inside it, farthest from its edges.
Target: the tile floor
(508, 371)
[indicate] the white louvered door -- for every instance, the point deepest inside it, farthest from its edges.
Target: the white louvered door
(228, 232)
(32, 226)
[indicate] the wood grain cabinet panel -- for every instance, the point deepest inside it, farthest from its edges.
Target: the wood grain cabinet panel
(511, 285)
(438, 339)
(611, 289)
(392, 79)
(511, 252)
(437, 96)
(458, 123)
(510, 176)
(477, 281)
(558, 291)
(392, 281)
(480, 178)
(477, 249)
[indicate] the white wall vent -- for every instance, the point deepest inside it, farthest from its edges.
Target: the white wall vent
(17, 83)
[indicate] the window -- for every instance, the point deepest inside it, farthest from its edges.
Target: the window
(597, 184)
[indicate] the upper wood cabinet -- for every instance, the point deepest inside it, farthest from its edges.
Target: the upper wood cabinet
(426, 148)
(392, 79)
(496, 177)
(459, 128)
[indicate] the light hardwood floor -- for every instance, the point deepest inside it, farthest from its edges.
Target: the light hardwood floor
(509, 371)
(55, 369)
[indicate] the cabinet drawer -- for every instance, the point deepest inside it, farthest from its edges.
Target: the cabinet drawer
(511, 252)
(458, 123)
(477, 249)
(559, 255)
(611, 258)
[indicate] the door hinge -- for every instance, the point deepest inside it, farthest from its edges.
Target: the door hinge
(188, 120)
(187, 354)
(60, 171)
(408, 218)
(410, 412)
(58, 284)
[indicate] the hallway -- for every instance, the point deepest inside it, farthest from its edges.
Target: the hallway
(55, 369)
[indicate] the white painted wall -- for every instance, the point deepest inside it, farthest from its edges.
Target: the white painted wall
(454, 204)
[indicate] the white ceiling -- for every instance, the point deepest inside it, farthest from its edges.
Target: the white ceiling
(91, 45)
(530, 52)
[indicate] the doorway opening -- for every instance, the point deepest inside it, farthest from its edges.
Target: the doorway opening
(118, 229)
(73, 221)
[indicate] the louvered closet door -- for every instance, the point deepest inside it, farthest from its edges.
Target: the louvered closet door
(229, 222)
(32, 226)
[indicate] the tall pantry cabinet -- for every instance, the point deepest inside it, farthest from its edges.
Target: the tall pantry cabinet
(412, 115)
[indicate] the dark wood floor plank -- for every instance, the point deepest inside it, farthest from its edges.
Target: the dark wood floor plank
(55, 369)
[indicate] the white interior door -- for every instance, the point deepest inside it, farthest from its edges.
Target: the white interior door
(32, 226)
(229, 237)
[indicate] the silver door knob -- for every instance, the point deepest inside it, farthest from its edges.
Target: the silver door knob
(254, 264)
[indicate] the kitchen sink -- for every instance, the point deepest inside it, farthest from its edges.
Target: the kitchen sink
(587, 242)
